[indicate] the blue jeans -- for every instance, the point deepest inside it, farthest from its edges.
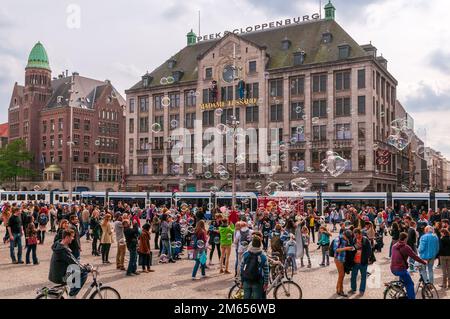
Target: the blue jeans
(359, 268)
(405, 277)
(165, 248)
(253, 290)
(132, 263)
(83, 277)
(17, 238)
(198, 264)
(31, 249)
(427, 271)
(85, 230)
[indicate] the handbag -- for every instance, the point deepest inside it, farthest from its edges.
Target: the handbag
(203, 258)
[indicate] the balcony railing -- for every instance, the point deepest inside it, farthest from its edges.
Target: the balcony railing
(342, 143)
(319, 144)
(142, 152)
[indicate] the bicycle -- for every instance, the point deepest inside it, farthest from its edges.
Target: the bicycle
(282, 288)
(289, 268)
(396, 289)
(100, 291)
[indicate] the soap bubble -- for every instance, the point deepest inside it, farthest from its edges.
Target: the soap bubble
(190, 171)
(315, 120)
(165, 101)
(156, 127)
(298, 109)
(300, 184)
(218, 112)
(208, 174)
(293, 140)
(182, 182)
(333, 164)
(170, 80)
(295, 170)
(222, 129)
(200, 244)
(224, 175)
(258, 186)
(272, 188)
(173, 123)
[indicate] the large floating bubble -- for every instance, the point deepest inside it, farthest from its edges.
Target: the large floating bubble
(300, 184)
(333, 164)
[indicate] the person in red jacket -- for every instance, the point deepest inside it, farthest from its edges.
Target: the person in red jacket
(399, 263)
(233, 218)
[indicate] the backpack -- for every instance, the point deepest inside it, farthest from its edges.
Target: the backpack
(43, 220)
(251, 270)
(331, 249)
(245, 236)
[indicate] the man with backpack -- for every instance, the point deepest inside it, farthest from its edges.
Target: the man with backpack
(242, 240)
(254, 271)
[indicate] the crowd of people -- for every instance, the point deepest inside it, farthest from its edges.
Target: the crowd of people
(350, 236)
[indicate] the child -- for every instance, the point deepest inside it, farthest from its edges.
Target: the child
(32, 240)
(291, 250)
(145, 254)
(305, 240)
(324, 243)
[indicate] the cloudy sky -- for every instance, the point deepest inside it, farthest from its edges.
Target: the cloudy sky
(120, 40)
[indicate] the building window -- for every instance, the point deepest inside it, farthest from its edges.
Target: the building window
(343, 132)
(342, 81)
(252, 114)
(227, 114)
(252, 90)
(143, 124)
(60, 124)
(52, 142)
(160, 121)
(208, 118)
(319, 109)
(131, 105)
(157, 166)
(298, 133)
(143, 104)
(143, 143)
(174, 98)
(344, 52)
(362, 160)
(60, 140)
(319, 83)
(189, 120)
(362, 104)
(343, 107)
(52, 125)
(25, 127)
(298, 85)
(361, 79)
(299, 58)
(208, 96)
(87, 125)
(143, 167)
(86, 156)
(346, 154)
(276, 88)
(131, 145)
(226, 93)
(190, 98)
(297, 161)
(316, 159)
(362, 131)
(174, 120)
(44, 126)
(319, 133)
(60, 156)
(276, 113)
(159, 143)
(131, 126)
(76, 155)
(297, 111)
(87, 141)
(252, 67)
(44, 141)
(130, 167)
(208, 73)
(76, 124)
(157, 101)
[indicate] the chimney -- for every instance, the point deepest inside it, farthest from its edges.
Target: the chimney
(382, 61)
(67, 73)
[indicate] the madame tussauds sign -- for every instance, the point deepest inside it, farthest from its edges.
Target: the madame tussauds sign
(260, 27)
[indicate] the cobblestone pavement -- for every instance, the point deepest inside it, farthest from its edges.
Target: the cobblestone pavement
(174, 280)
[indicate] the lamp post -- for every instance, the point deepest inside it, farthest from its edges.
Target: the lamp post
(70, 143)
(234, 125)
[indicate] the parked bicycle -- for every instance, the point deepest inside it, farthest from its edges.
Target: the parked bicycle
(99, 291)
(282, 288)
(396, 289)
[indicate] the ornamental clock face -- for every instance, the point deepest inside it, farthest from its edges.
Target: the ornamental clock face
(228, 74)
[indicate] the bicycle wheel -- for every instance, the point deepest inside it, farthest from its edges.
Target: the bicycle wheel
(236, 293)
(49, 295)
(289, 269)
(105, 293)
(394, 291)
(287, 290)
(429, 291)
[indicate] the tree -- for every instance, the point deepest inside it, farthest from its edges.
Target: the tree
(13, 159)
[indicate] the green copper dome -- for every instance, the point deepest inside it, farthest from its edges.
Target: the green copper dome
(38, 58)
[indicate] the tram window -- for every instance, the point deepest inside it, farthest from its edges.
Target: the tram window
(3, 197)
(77, 197)
(56, 197)
(21, 197)
(11, 197)
(32, 197)
(41, 197)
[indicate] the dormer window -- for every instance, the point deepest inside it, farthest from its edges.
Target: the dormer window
(344, 51)
(327, 38)
(171, 63)
(285, 44)
(146, 79)
(177, 75)
(299, 58)
(59, 99)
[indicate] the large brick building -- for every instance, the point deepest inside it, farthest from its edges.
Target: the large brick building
(53, 115)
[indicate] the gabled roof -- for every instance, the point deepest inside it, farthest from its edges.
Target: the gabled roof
(305, 37)
(4, 130)
(82, 92)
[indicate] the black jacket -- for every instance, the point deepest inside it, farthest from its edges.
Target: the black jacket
(131, 236)
(75, 245)
(366, 252)
(412, 239)
(444, 247)
(62, 257)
